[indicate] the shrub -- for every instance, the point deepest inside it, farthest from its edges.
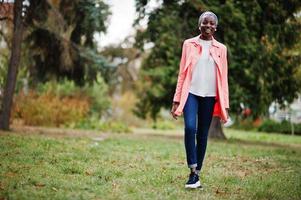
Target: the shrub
(48, 109)
(61, 103)
(61, 89)
(276, 127)
(245, 124)
(98, 95)
(95, 92)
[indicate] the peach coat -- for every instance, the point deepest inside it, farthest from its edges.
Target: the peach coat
(191, 51)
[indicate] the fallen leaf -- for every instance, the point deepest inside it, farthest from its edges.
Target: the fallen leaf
(10, 174)
(39, 184)
(1, 186)
(88, 173)
(219, 191)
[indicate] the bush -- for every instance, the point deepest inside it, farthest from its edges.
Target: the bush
(276, 127)
(61, 103)
(245, 124)
(98, 95)
(49, 110)
(96, 92)
(62, 89)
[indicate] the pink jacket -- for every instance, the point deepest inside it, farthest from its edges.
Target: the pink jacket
(191, 51)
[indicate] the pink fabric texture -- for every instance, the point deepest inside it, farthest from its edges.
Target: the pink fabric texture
(191, 51)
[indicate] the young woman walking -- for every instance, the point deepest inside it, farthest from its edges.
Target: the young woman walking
(201, 92)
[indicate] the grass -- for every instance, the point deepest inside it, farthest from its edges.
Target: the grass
(141, 166)
(264, 137)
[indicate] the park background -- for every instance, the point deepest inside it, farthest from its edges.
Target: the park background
(85, 100)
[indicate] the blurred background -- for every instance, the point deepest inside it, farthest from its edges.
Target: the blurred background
(113, 65)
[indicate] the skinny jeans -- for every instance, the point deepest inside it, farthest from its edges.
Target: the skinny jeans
(197, 113)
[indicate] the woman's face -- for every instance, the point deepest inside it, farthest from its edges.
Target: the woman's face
(208, 26)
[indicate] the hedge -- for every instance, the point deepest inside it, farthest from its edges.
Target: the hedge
(283, 127)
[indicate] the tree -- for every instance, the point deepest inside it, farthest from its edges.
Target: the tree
(13, 66)
(257, 34)
(6, 32)
(61, 39)
(159, 68)
(125, 59)
(60, 36)
(215, 130)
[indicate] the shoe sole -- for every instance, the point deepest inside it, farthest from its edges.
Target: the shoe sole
(194, 186)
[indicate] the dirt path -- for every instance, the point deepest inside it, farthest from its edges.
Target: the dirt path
(55, 132)
(139, 132)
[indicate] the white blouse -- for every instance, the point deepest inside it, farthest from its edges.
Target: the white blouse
(203, 81)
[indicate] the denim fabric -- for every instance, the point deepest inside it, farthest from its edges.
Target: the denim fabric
(197, 118)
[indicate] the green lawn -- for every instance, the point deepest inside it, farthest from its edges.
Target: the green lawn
(248, 165)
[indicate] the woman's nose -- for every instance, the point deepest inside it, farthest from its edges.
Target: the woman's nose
(207, 25)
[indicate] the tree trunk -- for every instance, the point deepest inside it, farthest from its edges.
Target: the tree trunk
(12, 67)
(215, 130)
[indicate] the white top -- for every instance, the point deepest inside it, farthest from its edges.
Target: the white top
(203, 81)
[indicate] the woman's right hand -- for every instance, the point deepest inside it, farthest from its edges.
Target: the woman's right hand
(173, 109)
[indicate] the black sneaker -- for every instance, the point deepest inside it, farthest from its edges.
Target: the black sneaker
(193, 181)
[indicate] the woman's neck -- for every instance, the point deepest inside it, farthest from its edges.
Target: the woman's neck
(205, 38)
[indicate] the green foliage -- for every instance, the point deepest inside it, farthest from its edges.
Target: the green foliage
(63, 88)
(49, 109)
(284, 127)
(3, 70)
(164, 125)
(3, 74)
(61, 40)
(258, 35)
(159, 69)
(22, 75)
(245, 124)
(96, 92)
(105, 126)
(62, 103)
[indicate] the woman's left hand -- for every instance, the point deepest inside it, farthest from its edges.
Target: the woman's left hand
(227, 113)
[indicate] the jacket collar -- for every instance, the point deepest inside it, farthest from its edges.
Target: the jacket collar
(195, 41)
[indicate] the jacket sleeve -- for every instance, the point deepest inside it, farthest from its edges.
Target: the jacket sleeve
(181, 75)
(225, 79)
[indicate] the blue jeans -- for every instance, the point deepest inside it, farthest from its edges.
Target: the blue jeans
(198, 113)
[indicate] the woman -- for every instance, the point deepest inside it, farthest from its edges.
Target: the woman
(201, 92)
